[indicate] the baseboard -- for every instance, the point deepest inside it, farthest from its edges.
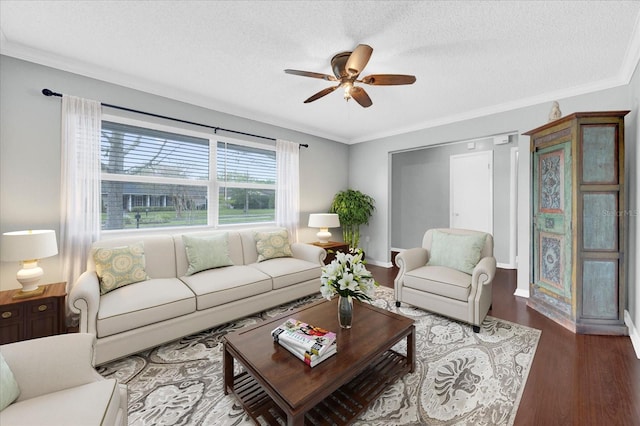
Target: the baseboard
(633, 333)
(377, 263)
(522, 292)
(506, 266)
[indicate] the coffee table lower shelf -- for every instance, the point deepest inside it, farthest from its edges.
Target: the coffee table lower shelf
(340, 408)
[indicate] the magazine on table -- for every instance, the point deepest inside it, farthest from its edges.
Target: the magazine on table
(310, 359)
(305, 337)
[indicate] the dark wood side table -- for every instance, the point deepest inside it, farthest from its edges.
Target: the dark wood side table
(334, 246)
(38, 316)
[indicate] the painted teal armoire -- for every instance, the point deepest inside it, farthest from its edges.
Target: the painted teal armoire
(579, 221)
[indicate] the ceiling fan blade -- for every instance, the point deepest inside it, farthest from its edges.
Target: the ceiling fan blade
(361, 96)
(311, 74)
(388, 79)
(321, 93)
(358, 59)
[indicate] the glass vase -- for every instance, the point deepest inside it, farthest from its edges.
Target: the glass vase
(345, 311)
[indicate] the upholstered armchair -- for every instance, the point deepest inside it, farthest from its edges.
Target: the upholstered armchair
(51, 381)
(451, 274)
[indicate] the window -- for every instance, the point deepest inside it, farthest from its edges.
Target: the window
(163, 177)
(247, 183)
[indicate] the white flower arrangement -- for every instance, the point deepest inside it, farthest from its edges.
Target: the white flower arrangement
(347, 276)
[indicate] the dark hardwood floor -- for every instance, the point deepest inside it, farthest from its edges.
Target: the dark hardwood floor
(575, 379)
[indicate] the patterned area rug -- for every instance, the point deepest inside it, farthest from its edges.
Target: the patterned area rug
(461, 378)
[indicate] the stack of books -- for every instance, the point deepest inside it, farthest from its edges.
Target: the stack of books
(310, 344)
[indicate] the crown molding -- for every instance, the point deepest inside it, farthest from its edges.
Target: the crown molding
(62, 63)
(499, 108)
(16, 50)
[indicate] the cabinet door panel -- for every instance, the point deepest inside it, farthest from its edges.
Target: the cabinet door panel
(600, 289)
(600, 221)
(599, 159)
(11, 324)
(43, 318)
(552, 204)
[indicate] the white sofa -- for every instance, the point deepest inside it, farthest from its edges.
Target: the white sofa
(59, 386)
(171, 304)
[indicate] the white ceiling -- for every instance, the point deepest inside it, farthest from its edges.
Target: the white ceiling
(470, 58)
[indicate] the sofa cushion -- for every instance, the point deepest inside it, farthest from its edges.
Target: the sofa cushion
(9, 389)
(457, 251)
(272, 244)
(223, 285)
(207, 252)
(143, 303)
(287, 271)
(440, 280)
(234, 247)
(119, 266)
(95, 403)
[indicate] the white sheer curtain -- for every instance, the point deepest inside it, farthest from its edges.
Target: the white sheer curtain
(288, 187)
(80, 183)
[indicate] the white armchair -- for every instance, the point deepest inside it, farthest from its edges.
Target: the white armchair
(451, 274)
(59, 386)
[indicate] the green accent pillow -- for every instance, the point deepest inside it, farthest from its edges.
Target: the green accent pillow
(9, 389)
(456, 251)
(207, 252)
(119, 266)
(273, 244)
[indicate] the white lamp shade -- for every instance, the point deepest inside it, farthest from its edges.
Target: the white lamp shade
(28, 245)
(324, 220)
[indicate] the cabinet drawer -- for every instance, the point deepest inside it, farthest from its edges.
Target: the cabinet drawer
(10, 313)
(42, 307)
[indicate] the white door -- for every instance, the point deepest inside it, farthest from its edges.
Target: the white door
(471, 191)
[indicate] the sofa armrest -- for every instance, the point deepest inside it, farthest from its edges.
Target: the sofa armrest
(482, 275)
(406, 261)
(309, 253)
(51, 364)
(411, 259)
(84, 299)
(484, 271)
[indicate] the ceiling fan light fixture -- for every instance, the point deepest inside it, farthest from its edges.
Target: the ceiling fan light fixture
(347, 90)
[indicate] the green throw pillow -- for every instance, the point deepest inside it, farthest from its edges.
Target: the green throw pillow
(119, 266)
(207, 252)
(273, 244)
(456, 251)
(9, 389)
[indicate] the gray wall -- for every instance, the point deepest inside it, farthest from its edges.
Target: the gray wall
(420, 192)
(30, 149)
(632, 164)
(375, 155)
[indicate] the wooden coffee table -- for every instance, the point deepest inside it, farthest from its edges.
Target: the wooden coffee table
(275, 384)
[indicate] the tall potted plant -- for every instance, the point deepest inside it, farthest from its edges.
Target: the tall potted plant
(354, 209)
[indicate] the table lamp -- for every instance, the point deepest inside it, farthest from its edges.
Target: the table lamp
(27, 247)
(324, 221)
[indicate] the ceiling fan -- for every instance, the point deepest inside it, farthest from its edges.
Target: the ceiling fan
(347, 67)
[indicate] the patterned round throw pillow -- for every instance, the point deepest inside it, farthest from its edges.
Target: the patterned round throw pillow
(272, 244)
(119, 266)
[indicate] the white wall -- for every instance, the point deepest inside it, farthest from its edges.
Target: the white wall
(30, 150)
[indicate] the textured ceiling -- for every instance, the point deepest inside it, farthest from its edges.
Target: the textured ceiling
(470, 58)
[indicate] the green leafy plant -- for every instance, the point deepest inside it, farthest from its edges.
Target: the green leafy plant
(354, 209)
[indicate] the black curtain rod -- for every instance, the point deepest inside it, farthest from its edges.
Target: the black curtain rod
(48, 92)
